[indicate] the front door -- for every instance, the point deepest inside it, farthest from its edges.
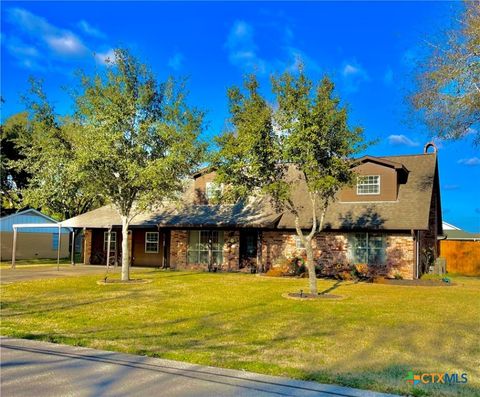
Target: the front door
(248, 249)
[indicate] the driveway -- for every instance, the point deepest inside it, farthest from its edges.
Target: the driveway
(32, 368)
(8, 275)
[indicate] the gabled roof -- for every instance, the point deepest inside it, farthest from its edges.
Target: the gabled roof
(409, 212)
(27, 211)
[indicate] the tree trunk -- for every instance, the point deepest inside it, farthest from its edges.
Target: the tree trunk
(125, 250)
(312, 276)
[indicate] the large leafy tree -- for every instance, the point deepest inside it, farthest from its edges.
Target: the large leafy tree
(306, 130)
(139, 139)
(44, 140)
(448, 94)
(13, 180)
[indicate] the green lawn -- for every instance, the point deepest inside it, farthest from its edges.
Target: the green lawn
(370, 339)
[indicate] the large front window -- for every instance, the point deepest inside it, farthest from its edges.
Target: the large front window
(367, 248)
(368, 184)
(205, 247)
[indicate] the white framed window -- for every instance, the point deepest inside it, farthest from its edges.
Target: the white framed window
(113, 241)
(368, 184)
(151, 242)
(298, 243)
(213, 190)
(367, 248)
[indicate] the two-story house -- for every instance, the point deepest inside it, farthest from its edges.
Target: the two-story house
(391, 218)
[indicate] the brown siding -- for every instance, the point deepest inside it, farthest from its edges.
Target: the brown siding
(388, 184)
(462, 256)
(142, 258)
(200, 186)
(33, 246)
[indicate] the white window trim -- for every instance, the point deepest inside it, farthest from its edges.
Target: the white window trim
(152, 242)
(369, 194)
(113, 240)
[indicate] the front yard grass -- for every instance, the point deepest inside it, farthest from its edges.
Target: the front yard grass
(370, 339)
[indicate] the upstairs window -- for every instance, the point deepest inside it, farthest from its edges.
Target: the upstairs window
(213, 190)
(368, 184)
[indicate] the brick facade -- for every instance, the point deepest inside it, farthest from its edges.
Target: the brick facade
(178, 249)
(332, 249)
(87, 247)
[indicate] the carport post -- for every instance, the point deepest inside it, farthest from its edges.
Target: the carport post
(58, 246)
(73, 247)
(14, 249)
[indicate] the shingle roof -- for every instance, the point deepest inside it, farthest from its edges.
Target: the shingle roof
(460, 235)
(409, 212)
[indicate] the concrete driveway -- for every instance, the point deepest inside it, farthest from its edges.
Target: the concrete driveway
(32, 368)
(27, 273)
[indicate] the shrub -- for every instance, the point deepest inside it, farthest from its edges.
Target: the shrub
(297, 266)
(275, 272)
(398, 276)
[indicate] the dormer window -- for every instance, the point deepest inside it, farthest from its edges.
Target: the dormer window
(213, 190)
(368, 184)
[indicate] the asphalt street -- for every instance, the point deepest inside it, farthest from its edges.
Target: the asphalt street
(33, 368)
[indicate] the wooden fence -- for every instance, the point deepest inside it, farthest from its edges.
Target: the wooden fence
(462, 257)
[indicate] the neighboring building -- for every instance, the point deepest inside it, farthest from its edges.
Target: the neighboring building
(32, 242)
(461, 250)
(390, 220)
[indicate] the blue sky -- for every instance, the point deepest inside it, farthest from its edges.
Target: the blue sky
(369, 49)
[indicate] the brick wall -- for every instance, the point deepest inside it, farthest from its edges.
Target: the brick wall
(332, 249)
(87, 253)
(178, 249)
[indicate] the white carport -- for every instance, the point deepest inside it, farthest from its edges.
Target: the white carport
(59, 226)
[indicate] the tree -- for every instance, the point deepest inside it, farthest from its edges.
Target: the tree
(13, 180)
(448, 92)
(305, 129)
(139, 138)
(55, 183)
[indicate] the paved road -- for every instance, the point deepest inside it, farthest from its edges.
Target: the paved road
(32, 368)
(8, 275)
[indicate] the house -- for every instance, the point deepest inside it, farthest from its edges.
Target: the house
(32, 242)
(460, 249)
(390, 219)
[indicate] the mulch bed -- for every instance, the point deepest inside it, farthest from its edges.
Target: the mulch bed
(420, 282)
(304, 296)
(131, 281)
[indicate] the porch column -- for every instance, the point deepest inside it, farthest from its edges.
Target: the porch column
(73, 247)
(59, 246)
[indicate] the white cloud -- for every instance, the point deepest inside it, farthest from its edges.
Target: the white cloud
(398, 140)
(60, 41)
(471, 131)
(176, 61)
(353, 75)
(388, 77)
(90, 30)
(106, 57)
(473, 161)
(242, 48)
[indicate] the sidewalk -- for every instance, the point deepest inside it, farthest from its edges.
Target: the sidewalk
(32, 368)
